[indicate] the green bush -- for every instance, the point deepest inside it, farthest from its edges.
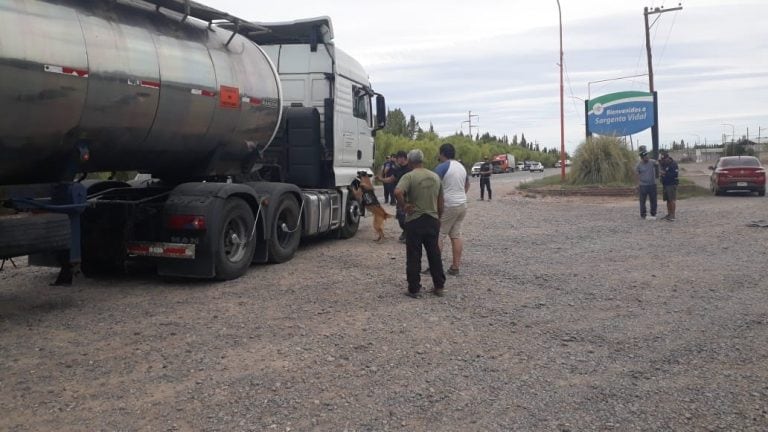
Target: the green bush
(602, 161)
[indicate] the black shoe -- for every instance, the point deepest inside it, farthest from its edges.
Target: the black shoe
(414, 295)
(438, 292)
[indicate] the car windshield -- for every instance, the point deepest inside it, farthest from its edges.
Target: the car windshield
(739, 162)
(477, 165)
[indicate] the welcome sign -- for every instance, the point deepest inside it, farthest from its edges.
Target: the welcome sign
(620, 114)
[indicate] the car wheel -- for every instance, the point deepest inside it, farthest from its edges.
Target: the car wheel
(761, 192)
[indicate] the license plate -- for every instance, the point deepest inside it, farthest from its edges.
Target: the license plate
(741, 184)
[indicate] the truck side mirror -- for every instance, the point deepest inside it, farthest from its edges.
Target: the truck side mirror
(381, 112)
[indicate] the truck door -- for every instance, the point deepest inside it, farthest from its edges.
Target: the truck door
(353, 118)
(361, 111)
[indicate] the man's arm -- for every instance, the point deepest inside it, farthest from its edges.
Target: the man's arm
(440, 204)
(486, 170)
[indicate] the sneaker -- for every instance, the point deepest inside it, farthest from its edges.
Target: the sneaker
(414, 295)
(651, 218)
(453, 271)
(438, 292)
(669, 219)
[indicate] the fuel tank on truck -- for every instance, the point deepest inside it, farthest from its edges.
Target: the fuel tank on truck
(126, 85)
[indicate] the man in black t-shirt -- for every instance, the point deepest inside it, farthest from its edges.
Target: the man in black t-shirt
(395, 174)
(485, 178)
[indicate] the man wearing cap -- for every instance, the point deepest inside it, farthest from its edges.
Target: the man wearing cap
(400, 169)
(485, 178)
(645, 178)
(669, 181)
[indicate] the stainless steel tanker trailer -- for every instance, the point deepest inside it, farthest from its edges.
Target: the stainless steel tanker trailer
(246, 136)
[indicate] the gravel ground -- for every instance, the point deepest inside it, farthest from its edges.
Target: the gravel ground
(568, 315)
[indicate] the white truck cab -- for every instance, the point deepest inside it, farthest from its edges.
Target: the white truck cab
(315, 73)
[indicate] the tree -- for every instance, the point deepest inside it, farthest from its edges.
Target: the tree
(523, 143)
(396, 123)
(514, 140)
(412, 128)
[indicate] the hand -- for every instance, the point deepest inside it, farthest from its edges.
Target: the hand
(408, 209)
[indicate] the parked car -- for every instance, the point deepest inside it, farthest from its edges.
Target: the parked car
(558, 164)
(536, 166)
(476, 169)
(737, 173)
(520, 166)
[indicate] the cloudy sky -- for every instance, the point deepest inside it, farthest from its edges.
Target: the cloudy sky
(439, 59)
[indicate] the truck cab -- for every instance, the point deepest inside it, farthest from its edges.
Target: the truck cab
(314, 73)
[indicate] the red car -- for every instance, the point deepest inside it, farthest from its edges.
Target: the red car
(737, 173)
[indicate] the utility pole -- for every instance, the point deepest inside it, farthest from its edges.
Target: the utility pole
(655, 127)
(469, 120)
(562, 117)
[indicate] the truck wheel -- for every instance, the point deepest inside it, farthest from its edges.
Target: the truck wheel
(286, 230)
(235, 246)
(352, 223)
(26, 233)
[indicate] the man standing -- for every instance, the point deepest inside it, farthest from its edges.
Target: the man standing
(420, 194)
(645, 176)
(389, 188)
(455, 187)
(669, 181)
(485, 178)
(397, 172)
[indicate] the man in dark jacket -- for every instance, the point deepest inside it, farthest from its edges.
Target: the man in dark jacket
(669, 181)
(400, 169)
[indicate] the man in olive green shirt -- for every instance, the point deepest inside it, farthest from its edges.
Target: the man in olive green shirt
(420, 194)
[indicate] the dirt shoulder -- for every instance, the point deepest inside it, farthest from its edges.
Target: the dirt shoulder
(568, 314)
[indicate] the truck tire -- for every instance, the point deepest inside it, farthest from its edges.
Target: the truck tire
(353, 211)
(234, 251)
(286, 230)
(27, 233)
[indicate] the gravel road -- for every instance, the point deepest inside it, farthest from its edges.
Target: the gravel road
(568, 315)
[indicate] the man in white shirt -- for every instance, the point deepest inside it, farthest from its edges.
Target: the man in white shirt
(455, 186)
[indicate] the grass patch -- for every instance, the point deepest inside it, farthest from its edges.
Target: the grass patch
(554, 180)
(686, 189)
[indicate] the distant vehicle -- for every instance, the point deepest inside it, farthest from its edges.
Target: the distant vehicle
(536, 166)
(567, 162)
(527, 165)
(737, 173)
(476, 169)
(520, 166)
(558, 164)
(497, 167)
(505, 161)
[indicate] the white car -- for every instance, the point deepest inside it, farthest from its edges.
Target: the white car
(476, 169)
(536, 166)
(520, 166)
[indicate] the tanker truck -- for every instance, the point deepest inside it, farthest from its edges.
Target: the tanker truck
(245, 137)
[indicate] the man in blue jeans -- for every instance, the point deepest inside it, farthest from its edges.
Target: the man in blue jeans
(645, 176)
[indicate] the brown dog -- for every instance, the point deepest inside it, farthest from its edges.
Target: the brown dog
(363, 191)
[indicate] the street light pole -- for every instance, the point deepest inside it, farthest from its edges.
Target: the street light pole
(733, 131)
(562, 117)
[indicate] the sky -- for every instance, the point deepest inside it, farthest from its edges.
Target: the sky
(440, 59)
